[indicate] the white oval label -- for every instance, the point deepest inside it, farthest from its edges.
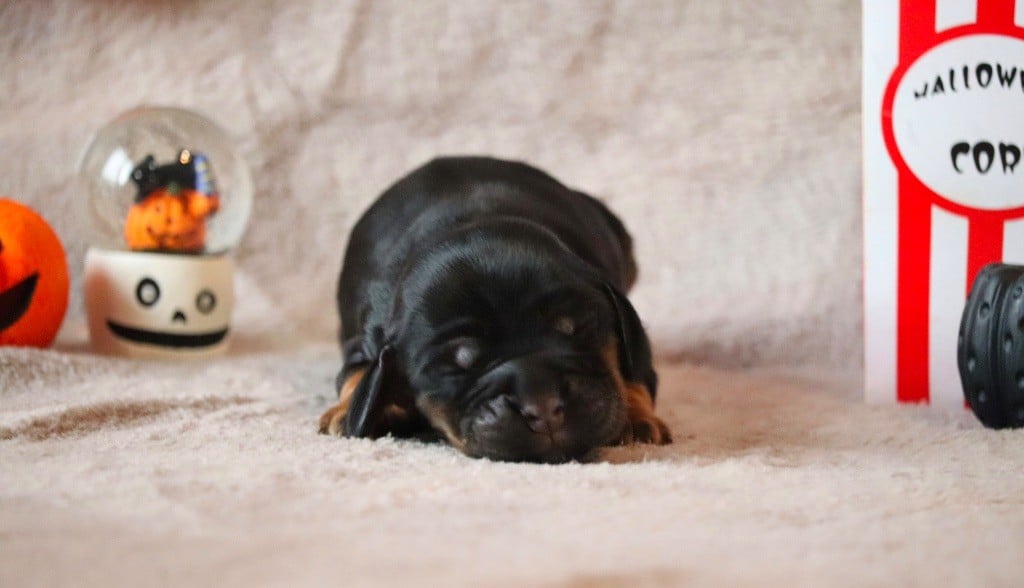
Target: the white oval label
(958, 121)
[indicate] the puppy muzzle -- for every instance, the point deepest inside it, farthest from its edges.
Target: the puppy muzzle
(526, 413)
(527, 392)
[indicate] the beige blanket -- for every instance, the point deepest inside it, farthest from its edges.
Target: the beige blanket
(725, 133)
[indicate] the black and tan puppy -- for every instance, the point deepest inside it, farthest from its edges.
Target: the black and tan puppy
(483, 301)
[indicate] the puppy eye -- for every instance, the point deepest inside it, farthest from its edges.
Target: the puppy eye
(466, 355)
(565, 325)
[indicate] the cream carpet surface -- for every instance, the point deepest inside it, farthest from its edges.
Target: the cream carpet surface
(726, 135)
(125, 473)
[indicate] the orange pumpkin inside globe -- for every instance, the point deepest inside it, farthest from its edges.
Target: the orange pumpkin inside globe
(170, 219)
(33, 278)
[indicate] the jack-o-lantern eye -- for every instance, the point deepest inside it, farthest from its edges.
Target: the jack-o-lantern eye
(147, 292)
(1, 246)
(206, 301)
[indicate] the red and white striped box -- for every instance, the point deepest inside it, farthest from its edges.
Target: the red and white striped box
(943, 111)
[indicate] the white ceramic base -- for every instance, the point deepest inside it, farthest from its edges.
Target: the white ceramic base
(158, 304)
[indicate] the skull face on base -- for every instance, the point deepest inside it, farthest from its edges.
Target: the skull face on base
(158, 305)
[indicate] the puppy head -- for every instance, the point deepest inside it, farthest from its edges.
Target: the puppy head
(511, 348)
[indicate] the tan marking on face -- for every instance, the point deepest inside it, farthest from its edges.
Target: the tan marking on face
(440, 418)
(610, 355)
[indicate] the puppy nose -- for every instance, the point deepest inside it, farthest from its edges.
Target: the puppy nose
(533, 389)
(543, 413)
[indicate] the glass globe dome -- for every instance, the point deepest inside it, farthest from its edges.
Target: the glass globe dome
(164, 180)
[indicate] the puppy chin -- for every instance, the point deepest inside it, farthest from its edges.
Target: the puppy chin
(593, 422)
(505, 440)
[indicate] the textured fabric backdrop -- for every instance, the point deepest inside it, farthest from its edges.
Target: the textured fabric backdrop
(724, 133)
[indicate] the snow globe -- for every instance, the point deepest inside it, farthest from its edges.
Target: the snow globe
(166, 199)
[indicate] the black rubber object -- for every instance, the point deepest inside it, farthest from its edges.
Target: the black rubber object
(990, 351)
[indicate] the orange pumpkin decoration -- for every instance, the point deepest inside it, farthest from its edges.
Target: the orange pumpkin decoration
(33, 278)
(170, 219)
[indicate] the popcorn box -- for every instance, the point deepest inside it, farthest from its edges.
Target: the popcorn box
(943, 106)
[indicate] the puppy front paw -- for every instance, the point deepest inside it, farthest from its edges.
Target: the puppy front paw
(646, 428)
(642, 425)
(331, 421)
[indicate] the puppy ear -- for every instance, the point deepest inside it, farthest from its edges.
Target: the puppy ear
(635, 359)
(368, 404)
